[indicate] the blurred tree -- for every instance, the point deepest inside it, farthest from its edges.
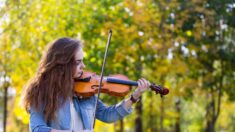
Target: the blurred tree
(205, 25)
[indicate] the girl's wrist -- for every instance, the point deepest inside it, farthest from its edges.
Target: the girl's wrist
(137, 94)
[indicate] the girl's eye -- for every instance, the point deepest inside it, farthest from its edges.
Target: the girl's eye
(78, 62)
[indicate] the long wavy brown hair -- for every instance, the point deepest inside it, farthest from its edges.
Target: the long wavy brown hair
(53, 83)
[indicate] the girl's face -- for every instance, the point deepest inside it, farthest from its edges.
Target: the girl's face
(79, 63)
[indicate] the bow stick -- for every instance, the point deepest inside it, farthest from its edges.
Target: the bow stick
(104, 61)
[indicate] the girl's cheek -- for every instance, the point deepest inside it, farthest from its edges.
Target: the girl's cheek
(78, 67)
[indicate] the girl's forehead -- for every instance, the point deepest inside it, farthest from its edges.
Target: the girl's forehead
(79, 54)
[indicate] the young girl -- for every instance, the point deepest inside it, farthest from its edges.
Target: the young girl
(50, 99)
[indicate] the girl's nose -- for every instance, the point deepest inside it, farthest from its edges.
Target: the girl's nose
(83, 65)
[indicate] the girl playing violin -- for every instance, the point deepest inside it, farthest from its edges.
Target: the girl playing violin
(50, 99)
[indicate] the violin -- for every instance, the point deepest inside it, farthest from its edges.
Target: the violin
(117, 85)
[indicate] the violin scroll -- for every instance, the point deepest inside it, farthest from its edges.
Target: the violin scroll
(159, 89)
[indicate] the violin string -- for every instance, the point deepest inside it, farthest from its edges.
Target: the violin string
(104, 62)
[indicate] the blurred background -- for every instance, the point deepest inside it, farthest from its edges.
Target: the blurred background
(185, 45)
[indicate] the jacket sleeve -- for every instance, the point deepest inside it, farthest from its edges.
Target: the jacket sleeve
(111, 113)
(37, 122)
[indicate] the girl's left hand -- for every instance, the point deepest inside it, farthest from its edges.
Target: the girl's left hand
(143, 85)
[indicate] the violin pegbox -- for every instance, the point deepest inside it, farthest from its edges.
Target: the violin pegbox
(159, 89)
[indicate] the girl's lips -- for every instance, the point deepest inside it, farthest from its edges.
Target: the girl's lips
(80, 74)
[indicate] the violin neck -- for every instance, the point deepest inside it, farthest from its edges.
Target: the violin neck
(119, 81)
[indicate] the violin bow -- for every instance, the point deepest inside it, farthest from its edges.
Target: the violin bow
(102, 71)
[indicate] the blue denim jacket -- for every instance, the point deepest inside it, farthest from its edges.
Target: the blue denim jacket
(83, 106)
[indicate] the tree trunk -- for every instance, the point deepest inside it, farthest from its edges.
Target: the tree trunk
(121, 126)
(177, 123)
(6, 85)
(210, 114)
(162, 115)
(209, 126)
(152, 121)
(139, 68)
(213, 110)
(138, 121)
